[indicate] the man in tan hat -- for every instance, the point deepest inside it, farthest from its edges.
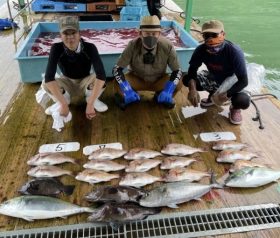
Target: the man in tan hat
(226, 66)
(75, 58)
(147, 58)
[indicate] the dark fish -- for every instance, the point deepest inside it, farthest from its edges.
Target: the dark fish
(121, 213)
(46, 186)
(118, 194)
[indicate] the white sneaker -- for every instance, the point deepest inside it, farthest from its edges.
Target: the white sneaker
(100, 106)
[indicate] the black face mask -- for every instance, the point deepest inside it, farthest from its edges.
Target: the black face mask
(148, 58)
(150, 41)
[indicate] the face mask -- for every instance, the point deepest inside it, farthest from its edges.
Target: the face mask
(150, 41)
(215, 49)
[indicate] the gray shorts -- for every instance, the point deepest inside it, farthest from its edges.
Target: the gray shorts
(75, 87)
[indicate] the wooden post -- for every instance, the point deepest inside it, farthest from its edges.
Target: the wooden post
(188, 15)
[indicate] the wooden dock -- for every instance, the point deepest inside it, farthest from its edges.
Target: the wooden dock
(24, 127)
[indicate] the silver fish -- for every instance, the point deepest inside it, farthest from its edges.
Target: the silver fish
(118, 194)
(39, 207)
(180, 149)
(107, 153)
(175, 162)
(142, 165)
(252, 177)
(171, 194)
(230, 156)
(138, 179)
(120, 213)
(228, 145)
(179, 174)
(104, 165)
(141, 153)
(50, 159)
(94, 176)
(239, 164)
(48, 171)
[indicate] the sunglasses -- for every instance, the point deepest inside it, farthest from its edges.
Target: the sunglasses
(208, 35)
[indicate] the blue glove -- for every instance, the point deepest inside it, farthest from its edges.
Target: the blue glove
(129, 94)
(166, 95)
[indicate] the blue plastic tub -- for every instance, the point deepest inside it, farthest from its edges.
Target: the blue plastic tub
(50, 6)
(32, 67)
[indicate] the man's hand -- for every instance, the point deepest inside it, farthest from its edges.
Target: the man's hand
(166, 95)
(219, 99)
(64, 110)
(129, 94)
(90, 112)
(194, 97)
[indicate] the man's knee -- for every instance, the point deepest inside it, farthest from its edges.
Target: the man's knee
(241, 100)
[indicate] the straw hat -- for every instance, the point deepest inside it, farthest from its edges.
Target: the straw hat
(150, 23)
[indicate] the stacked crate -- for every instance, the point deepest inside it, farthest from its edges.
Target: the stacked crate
(52, 6)
(134, 10)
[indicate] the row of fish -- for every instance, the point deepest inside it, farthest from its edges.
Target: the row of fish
(142, 153)
(243, 172)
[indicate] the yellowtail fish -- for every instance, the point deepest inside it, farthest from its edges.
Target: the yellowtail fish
(40, 207)
(171, 194)
(252, 177)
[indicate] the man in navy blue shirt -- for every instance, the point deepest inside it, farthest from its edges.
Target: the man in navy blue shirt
(224, 61)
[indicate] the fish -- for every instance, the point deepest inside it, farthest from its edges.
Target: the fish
(179, 174)
(50, 159)
(48, 171)
(121, 213)
(175, 162)
(118, 194)
(141, 153)
(230, 156)
(239, 164)
(94, 176)
(252, 177)
(138, 179)
(104, 165)
(228, 145)
(180, 149)
(172, 194)
(46, 186)
(142, 165)
(107, 154)
(33, 207)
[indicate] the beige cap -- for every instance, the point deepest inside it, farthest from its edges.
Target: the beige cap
(68, 23)
(214, 26)
(150, 23)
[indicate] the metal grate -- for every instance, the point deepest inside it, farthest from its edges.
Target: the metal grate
(187, 224)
